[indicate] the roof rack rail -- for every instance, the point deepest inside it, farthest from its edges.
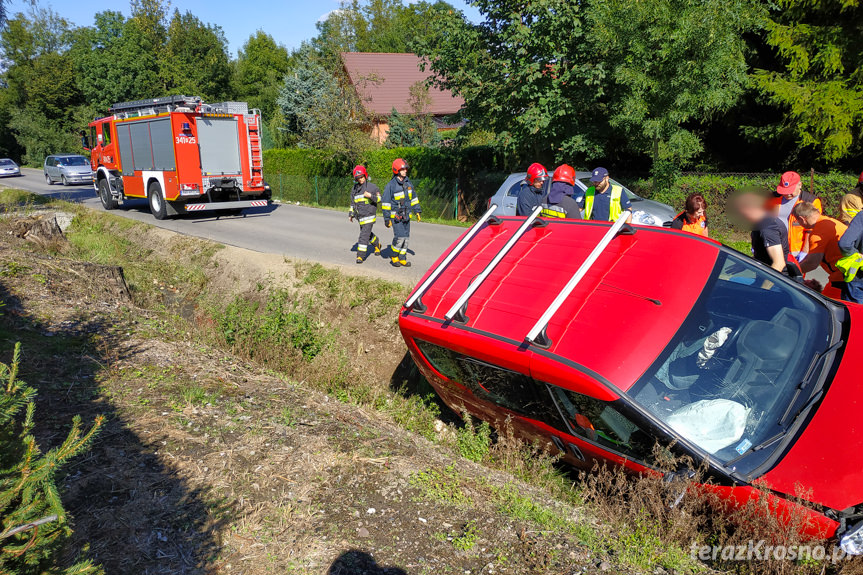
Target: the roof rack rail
(414, 302)
(167, 101)
(457, 311)
(537, 333)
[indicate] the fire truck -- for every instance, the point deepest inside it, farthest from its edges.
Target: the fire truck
(179, 153)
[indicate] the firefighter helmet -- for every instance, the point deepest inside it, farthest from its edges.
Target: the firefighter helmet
(399, 164)
(536, 173)
(564, 173)
(360, 171)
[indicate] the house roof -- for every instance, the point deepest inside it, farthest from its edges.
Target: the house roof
(383, 82)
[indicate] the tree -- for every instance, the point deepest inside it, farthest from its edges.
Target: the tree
(320, 110)
(525, 73)
(259, 71)
(28, 489)
(418, 127)
(196, 59)
(819, 82)
(670, 64)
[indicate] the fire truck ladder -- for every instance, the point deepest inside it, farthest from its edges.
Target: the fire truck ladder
(459, 308)
(155, 105)
(414, 301)
(256, 160)
(537, 333)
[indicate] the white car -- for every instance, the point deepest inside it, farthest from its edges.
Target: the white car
(645, 212)
(8, 168)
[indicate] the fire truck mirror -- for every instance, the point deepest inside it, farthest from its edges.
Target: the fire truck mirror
(85, 142)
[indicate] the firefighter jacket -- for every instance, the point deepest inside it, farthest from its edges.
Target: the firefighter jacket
(400, 202)
(365, 209)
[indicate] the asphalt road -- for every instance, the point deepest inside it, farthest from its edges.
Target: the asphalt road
(297, 232)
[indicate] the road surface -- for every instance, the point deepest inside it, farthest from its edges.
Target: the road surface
(297, 232)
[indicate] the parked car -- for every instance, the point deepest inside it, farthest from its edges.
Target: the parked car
(68, 169)
(644, 211)
(663, 338)
(8, 168)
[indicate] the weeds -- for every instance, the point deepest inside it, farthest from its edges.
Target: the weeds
(474, 442)
(442, 486)
(468, 537)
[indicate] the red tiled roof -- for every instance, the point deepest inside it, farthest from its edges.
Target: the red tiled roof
(383, 82)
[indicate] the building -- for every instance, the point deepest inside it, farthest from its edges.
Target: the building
(384, 81)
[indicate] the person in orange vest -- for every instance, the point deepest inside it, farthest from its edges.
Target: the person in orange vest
(824, 234)
(788, 194)
(693, 218)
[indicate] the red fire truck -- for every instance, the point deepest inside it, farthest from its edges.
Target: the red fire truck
(181, 154)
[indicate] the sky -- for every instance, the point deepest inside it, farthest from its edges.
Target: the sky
(288, 21)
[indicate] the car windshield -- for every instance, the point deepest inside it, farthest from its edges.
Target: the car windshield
(729, 377)
(74, 161)
(7, 163)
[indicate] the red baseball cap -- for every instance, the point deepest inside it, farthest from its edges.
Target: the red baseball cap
(787, 183)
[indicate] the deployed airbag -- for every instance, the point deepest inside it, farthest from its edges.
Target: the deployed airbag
(711, 424)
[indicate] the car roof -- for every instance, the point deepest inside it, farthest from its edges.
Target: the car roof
(617, 320)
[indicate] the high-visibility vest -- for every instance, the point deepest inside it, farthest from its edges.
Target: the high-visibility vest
(849, 265)
(614, 209)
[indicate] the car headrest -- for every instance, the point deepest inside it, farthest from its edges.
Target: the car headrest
(767, 341)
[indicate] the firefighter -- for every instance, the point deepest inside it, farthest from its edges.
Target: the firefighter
(400, 205)
(365, 197)
(559, 203)
(530, 194)
(605, 201)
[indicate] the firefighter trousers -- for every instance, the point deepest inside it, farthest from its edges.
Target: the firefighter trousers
(367, 238)
(401, 235)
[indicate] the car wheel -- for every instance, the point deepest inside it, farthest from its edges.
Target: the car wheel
(63, 180)
(48, 179)
(108, 201)
(157, 202)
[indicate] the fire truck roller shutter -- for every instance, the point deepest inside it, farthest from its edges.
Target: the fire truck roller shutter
(162, 139)
(124, 143)
(146, 146)
(219, 143)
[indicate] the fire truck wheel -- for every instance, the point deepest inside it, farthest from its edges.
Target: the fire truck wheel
(108, 201)
(157, 202)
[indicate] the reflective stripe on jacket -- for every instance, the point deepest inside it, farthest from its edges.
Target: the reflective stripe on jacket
(614, 208)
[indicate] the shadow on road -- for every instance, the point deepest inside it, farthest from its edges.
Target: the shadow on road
(75, 194)
(137, 514)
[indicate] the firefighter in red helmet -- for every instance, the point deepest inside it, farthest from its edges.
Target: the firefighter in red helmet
(365, 197)
(559, 203)
(530, 194)
(400, 205)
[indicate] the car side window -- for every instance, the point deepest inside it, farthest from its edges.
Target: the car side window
(106, 134)
(509, 389)
(599, 422)
(514, 189)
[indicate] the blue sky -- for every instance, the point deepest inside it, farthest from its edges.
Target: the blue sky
(288, 21)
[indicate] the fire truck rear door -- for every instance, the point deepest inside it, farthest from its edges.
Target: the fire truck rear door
(220, 146)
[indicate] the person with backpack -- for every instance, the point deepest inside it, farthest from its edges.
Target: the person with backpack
(364, 207)
(400, 205)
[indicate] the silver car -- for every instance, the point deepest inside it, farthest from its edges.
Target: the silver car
(68, 169)
(8, 168)
(645, 212)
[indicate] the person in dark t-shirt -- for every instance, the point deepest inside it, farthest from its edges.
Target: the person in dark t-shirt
(769, 235)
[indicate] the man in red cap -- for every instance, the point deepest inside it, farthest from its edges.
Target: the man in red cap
(852, 202)
(788, 194)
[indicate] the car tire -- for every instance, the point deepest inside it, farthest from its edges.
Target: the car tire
(108, 201)
(48, 179)
(63, 180)
(157, 202)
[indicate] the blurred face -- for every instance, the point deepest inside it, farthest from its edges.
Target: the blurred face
(750, 207)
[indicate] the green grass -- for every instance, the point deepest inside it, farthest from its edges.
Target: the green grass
(11, 198)
(517, 506)
(443, 486)
(474, 441)
(467, 539)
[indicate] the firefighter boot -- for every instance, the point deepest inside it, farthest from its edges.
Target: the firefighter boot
(404, 262)
(377, 244)
(394, 261)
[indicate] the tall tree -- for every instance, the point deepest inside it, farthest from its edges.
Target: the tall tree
(196, 59)
(820, 79)
(525, 73)
(669, 64)
(259, 70)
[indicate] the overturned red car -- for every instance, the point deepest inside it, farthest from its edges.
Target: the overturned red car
(607, 339)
